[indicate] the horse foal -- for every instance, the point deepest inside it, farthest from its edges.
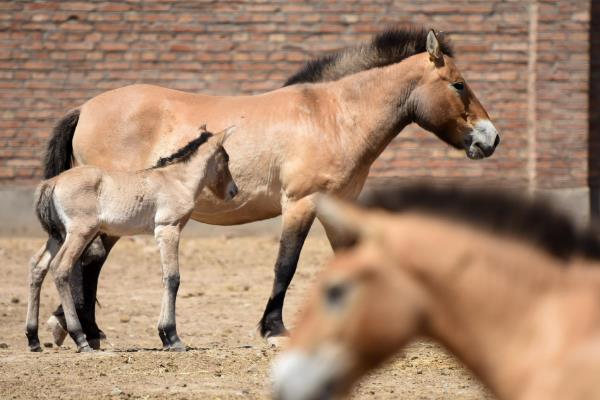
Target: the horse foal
(83, 202)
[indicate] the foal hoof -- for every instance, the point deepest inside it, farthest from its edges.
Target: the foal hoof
(59, 333)
(278, 341)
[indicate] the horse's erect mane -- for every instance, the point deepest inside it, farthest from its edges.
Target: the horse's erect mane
(386, 48)
(184, 153)
(493, 210)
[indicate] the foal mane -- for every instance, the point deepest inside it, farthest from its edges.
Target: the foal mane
(499, 212)
(184, 153)
(386, 48)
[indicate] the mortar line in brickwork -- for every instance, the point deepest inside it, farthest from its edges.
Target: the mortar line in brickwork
(531, 96)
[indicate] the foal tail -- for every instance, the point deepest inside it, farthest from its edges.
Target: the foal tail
(46, 211)
(59, 152)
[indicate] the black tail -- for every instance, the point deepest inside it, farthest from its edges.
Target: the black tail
(46, 212)
(59, 153)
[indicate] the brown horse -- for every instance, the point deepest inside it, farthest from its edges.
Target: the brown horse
(321, 132)
(516, 306)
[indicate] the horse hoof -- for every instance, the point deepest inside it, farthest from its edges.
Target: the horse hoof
(94, 344)
(278, 341)
(59, 333)
(177, 347)
(85, 349)
(35, 349)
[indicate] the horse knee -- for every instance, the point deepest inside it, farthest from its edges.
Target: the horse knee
(171, 282)
(61, 278)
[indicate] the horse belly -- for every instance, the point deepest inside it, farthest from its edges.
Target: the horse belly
(116, 224)
(248, 206)
(123, 210)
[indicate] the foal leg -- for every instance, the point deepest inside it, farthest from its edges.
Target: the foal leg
(298, 217)
(61, 267)
(84, 289)
(38, 267)
(167, 238)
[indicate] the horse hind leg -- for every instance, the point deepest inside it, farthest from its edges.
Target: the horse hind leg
(84, 290)
(91, 263)
(38, 267)
(61, 267)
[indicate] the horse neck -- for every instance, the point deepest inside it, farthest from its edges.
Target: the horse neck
(375, 105)
(485, 297)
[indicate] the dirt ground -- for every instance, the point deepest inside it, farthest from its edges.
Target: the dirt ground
(225, 282)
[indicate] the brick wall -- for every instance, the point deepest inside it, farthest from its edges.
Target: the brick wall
(528, 62)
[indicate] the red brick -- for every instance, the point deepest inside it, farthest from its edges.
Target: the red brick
(51, 62)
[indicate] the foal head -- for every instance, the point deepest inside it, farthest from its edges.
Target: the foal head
(444, 104)
(218, 176)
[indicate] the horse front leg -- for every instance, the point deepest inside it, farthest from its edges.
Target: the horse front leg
(297, 218)
(167, 238)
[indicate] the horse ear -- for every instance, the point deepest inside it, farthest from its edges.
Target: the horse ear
(225, 134)
(346, 218)
(433, 48)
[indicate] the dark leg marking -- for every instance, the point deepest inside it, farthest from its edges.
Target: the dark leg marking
(271, 324)
(33, 340)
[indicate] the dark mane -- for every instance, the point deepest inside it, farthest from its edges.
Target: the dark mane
(184, 153)
(386, 48)
(499, 212)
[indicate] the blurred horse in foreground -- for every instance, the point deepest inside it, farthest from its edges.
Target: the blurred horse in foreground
(502, 282)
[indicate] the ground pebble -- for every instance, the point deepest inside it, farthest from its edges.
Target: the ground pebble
(3, 346)
(14, 300)
(48, 345)
(116, 391)
(124, 318)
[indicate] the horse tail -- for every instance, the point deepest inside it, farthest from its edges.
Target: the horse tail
(59, 153)
(46, 211)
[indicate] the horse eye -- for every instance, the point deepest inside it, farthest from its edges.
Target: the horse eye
(458, 86)
(335, 294)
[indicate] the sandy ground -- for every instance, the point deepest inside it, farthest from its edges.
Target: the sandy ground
(225, 282)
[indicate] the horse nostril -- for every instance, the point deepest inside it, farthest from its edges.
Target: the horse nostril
(485, 149)
(497, 141)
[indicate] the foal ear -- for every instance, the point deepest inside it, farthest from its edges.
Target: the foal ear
(345, 217)
(433, 48)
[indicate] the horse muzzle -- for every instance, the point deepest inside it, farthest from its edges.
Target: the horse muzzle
(482, 141)
(300, 376)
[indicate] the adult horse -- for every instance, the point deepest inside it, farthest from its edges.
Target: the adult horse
(510, 286)
(319, 133)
